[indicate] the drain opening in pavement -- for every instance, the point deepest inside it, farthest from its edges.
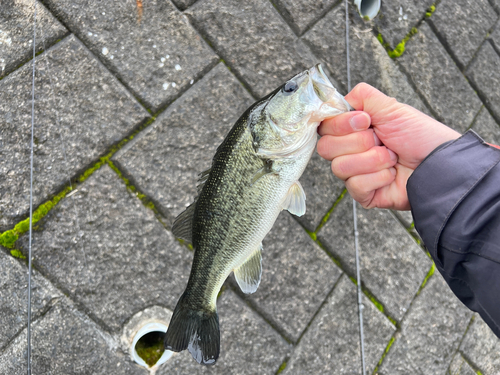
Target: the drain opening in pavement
(147, 347)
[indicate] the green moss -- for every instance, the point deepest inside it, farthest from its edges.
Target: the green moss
(387, 348)
(400, 48)
(427, 277)
(327, 216)
(430, 10)
(17, 254)
(150, 347)
(282, 368)
(9, 238)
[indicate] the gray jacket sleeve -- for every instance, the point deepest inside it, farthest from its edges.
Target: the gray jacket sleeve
(455, 199)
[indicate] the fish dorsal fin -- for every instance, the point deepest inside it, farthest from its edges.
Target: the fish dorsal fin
(295, 201)
(203, 177)
(248, 274)
(183, 224)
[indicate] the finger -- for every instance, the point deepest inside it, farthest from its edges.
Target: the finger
(373, 160)
(345, 123)
(363, 187)
(330, 147)
(364, 97)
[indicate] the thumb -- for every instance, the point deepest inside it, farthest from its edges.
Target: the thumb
(364, 97)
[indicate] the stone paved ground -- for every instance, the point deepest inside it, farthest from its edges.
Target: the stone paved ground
(130, 107)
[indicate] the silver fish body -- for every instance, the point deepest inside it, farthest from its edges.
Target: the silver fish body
(254, 175)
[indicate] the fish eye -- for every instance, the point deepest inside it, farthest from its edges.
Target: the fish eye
(290, 87)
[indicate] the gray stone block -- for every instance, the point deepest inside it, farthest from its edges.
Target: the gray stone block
(393, 266)
(484, 72)
(164, 161)
(369, 61)
(486, 127)
(430, 332)
(439, 80)
(495, 37)
(109, 253)
(481, 347)
(16, 32)
(88, 111)
(301, 14)
(322, 189)
(397, 17)
(248, 344)
(331, 343)
(297, 276)
(156, 58)
(253, 40)
(459, 366)
(463, 25)
(65, 342)
(14, 297)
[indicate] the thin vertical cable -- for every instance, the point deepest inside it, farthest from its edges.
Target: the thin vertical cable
(354, 213)
(31, 191)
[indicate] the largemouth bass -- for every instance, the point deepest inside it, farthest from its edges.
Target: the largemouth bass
(254, 175)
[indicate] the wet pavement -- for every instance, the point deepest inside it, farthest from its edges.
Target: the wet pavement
(132, 99)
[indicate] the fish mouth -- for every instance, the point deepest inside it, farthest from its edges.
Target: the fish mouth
(333, 103)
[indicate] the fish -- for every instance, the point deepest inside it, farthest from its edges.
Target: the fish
(253, 177)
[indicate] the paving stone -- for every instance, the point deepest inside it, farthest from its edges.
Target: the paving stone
(331, 343)
(393, 266)
(165, 160)
(397, 17)
(64, 342)
(297, 276)
(484, 72)
(430, 333)
(300, 14)
(113, 257)
(463, 25)
(495, 37)
(156, 58)
(322, 189)
(481, 347)
(253, 40)
(369, 61)
(88, 112)
(459, 366)
(486, 127)
(248, 344)
(439, 80)
(14, 297)
(16, 32)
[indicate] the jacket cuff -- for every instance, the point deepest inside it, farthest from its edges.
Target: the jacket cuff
(443, 180)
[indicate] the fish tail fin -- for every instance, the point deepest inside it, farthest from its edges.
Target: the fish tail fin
(194, 330)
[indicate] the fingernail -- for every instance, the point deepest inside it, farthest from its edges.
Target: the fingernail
(378, 142)
(393, 156)
(358, 122)
(393, 171)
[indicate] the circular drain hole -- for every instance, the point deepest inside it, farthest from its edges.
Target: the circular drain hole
(147, 346)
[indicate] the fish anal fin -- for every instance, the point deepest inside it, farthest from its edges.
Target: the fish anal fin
(248, 274)
(295, 201)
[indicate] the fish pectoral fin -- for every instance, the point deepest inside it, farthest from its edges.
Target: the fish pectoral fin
(183, 224)
(248, 274)
(295, 201)
(261, 172)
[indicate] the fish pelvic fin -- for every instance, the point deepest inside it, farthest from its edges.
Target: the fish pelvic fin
(295, 201)
(249, 273)
(194, 330)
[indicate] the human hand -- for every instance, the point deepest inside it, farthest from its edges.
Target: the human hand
(375, 162)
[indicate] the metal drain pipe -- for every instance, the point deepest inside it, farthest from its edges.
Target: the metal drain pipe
(368, 9)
